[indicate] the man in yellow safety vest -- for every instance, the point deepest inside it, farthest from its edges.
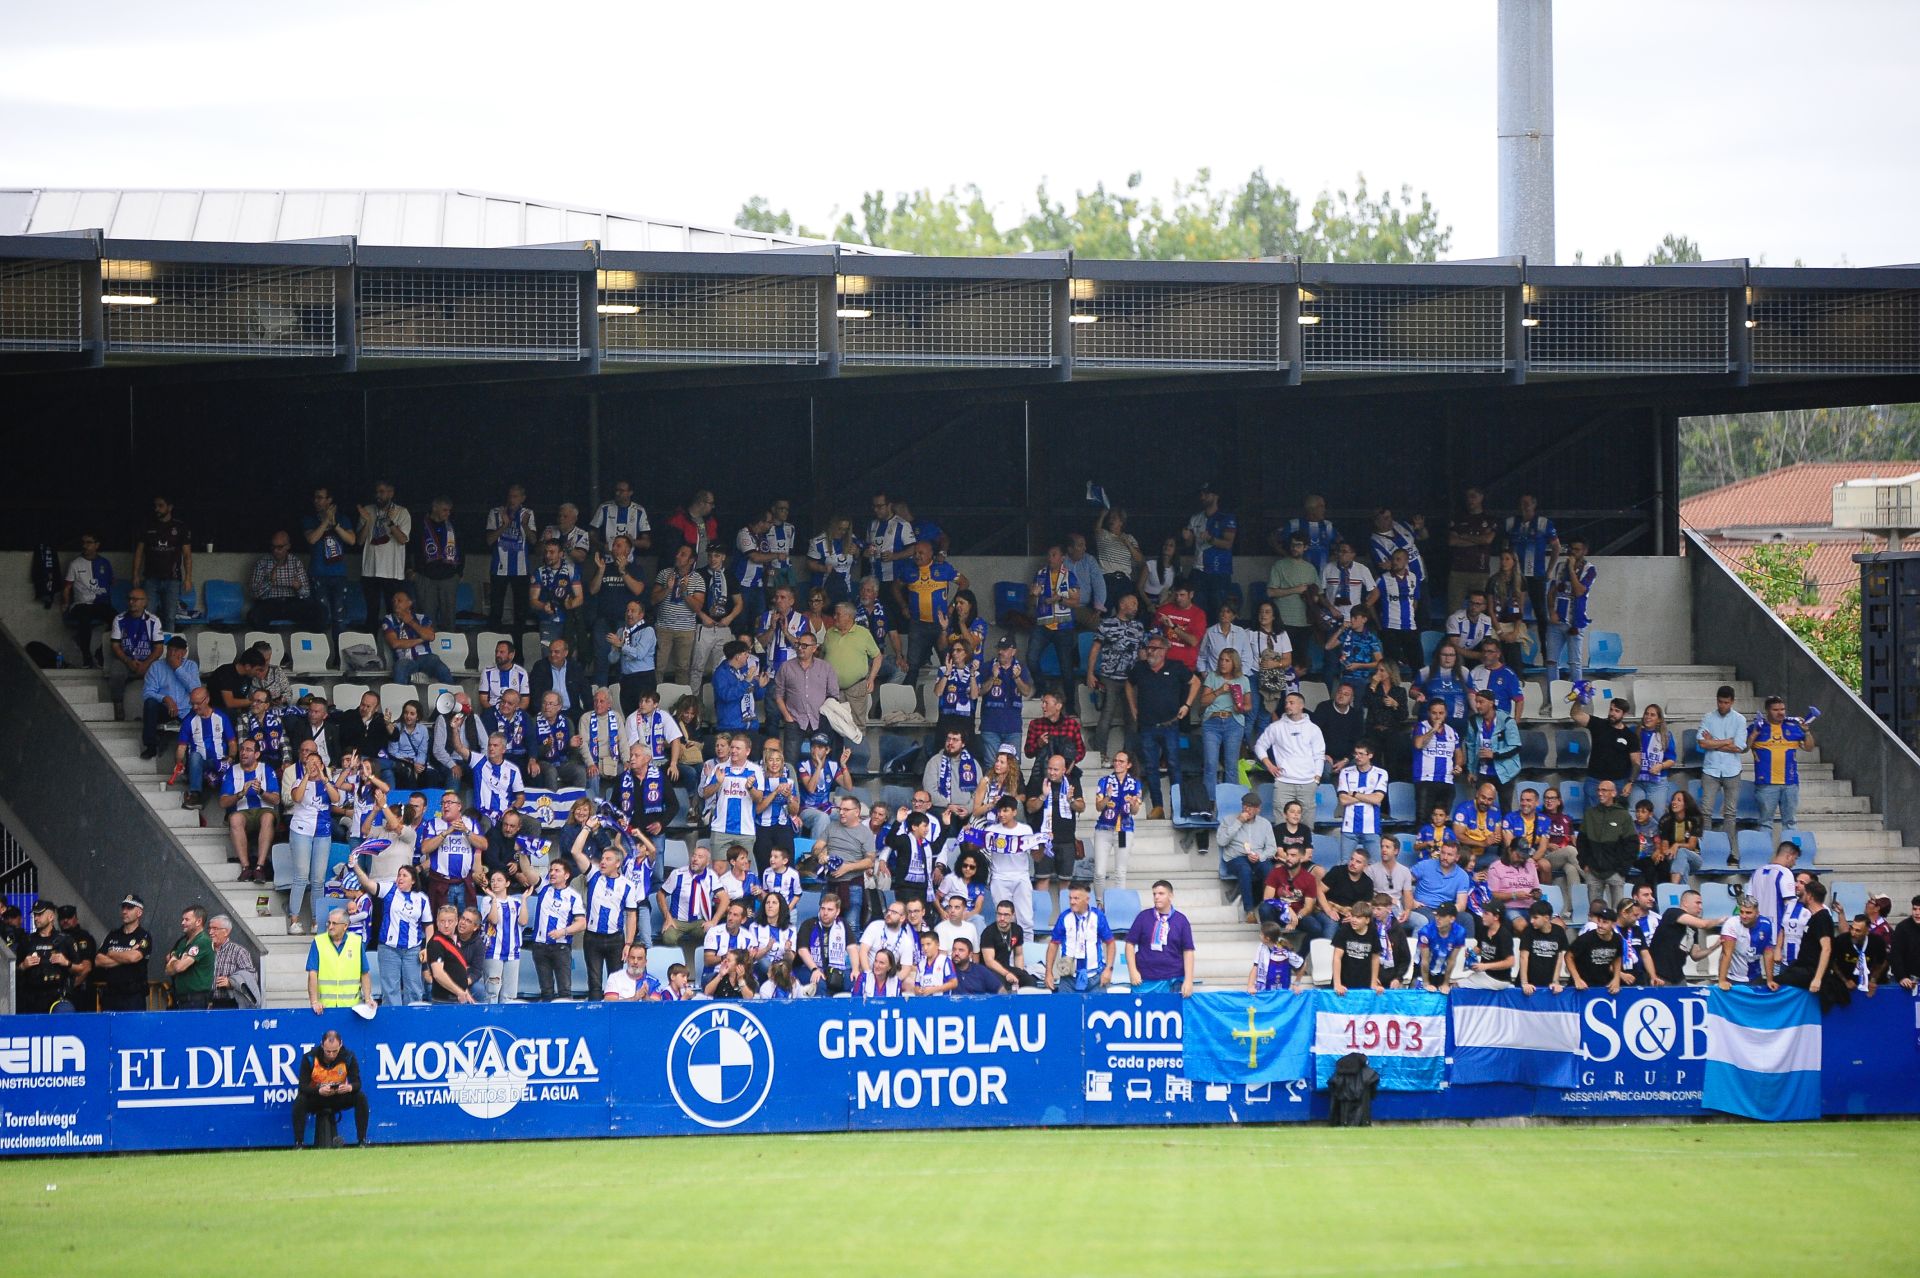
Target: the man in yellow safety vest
(337, 968)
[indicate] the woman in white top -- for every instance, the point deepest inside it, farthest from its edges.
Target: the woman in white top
(1161, 572)
(311, 796)
(1002, 781)
(881, 980)
(408, 918)
(776, 930)
(503, 915)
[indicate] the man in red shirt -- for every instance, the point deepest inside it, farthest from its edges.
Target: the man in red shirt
(694, 525)
(1184, 625)
(1293, 883)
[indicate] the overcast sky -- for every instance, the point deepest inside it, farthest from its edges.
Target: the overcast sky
(1758, 127)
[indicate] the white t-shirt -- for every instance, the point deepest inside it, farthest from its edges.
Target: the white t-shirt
(946, 931)
(903, 944)
(619, 985)
(86, 589)
(306, 811)
(380, 554)
(1346, 588)
(1744, 955)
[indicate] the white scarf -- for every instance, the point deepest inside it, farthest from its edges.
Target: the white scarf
(1083, 937)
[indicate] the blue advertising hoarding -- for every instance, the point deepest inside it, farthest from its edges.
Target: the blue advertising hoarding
(215, 1080)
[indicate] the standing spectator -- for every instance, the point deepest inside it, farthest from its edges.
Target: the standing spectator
(1359, 649)
(1615, 752)
(1246, 844)
(1722, 740)
(1294, 751)
(1361, 793)
(1545, 952)
(1224, 635)
(1005, 683)
(1209, 535)
(1223, 698)
(511, 530)
(439, 560)
(1161, 574)
(1437, 755)
(613, 902)
(1317, 533)
(1401, 593)
(615, 581)
(692, 526)
(384, 530)
(163, 562)
(1052, 598)
(1903, 949)
(677, 591)
(779, 540)
(1288, 581)
(1080, 947)
(311, 795)
(832, 557)
(1054, 732)
(504, 916)
(1116, 802)
(44, 972)
(1088, 580)
(801, 690)
(889, 541)
(136, 646)
(1160, 946)
(622, 517)
(327, 545)
(409, 635)
(231, 687)
(1491, 961)
(1608, 845)
(1495, 676)
(1117, 553)
(1569, 600)
(634, 647)
(121, 962)
(1813, 965)
(1356, 948)
(926, 592)
(691, 901)
(1184, 625)
(281, 589)
(714, 618)
(1346, 585)
(1389, 535)
(1674, 940)
(1493, 746)
(1342, 723)
(1776, 742)
(854, 656)
(558, 915)
(1510, 607)
(86, 597)
(555, 592)
(560, 675)
(1469, 539)
(754, 563)
(1115, 651)
(1596, 956)
(190, 961)
(1748, 954)
(1157, 698)
(573, 538)
(1534, 540)
(1055, 809)
(236, 977)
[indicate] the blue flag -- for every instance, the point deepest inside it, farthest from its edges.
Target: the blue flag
(1503, 1036)
(1247, 1038)
(1402, 1033)
(1763, 1054)
(1097, 496)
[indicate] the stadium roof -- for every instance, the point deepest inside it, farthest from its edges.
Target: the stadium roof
(416, 219)
(1797, 496)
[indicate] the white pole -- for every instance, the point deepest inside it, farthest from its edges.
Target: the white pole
(1525, 127)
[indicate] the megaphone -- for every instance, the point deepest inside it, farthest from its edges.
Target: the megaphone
(446, 702)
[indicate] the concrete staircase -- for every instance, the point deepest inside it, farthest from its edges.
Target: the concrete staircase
(283, 965)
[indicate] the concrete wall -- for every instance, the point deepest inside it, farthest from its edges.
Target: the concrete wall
(1731, 626)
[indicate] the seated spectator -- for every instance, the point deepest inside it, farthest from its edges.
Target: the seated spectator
(166, 693)
(281, 589)
(931, 971)
(504, 673)
(135, 645)
(1514, 881)
(551, 764)
(692, 902)
(1343, 886)
(631, 983)
(1437, 881)
(1393, 879)
(231, 685)
(1558, 855)
(562, 675)
(1471, 625)
(409, 763)
(329, 1082)
(1545, 951)
(1439, 942)
(457, 737)
(250, 793)
(1677, 849)
(1357, 960)
(971, 976)
(1246, 843)
(410, 635)
(513, 725)
(206, 748)
(236, 977)
(1080, 949)
(1291, 896)
(1273, 963)
(86, 597)
(365, 732)
(1002, 949)
(882, 980)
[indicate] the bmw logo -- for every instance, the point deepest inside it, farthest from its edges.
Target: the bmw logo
(720, 1066)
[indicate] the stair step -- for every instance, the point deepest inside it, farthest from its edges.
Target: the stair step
(93, 711)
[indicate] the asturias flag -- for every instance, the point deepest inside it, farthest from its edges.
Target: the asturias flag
(1247, 1038)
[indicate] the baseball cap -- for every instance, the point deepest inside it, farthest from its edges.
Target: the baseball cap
(1210, 487)
(67, 912)
(819, 739)
(1008, 749)
(43, 907)
(134, 900)
(1605, 912)
(1006, 641)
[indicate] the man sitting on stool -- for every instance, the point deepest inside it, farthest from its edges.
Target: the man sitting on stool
(329, 1082)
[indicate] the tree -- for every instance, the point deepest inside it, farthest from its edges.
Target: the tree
(1715, 451)
(1258, 218)
(1673, 249)
(1778, 574)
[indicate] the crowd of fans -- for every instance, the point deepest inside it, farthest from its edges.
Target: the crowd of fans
(559, 789)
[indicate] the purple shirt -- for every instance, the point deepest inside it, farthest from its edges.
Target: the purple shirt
(1165, 963)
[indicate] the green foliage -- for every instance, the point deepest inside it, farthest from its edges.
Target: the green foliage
(1258, 218)
(1778, 574)
(1719, 450)
(1673, 249)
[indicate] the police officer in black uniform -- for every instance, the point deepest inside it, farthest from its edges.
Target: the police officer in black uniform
(45, 963)
(120, 967)
(81, 992)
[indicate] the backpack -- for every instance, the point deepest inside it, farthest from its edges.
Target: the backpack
(1350, 1092)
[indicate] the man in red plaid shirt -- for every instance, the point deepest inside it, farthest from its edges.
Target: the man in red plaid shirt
(1054, 732)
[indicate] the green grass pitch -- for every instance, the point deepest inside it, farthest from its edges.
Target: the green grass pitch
(1291, 1200)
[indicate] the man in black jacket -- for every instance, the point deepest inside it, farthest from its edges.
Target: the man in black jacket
(562, 674)
(1903, 952)
(329, 1077)
(317, 725)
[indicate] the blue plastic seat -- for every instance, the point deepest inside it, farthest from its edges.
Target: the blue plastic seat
(900, 756)
(118, 592)
(1533, 748)
(1756, 848)
(896, 796)
(1326, 850)
(1326, 805)
(464, 604)
(1749, 807)
(1043, 912)
(226, 603)
(1550, 893)
(1718, 901)
(1430, 641)
(1008, 597)
(1400, 803)
(1667, 895)
(1121, 906)
(1573, 798)
(1087, 638)
(1226, 798)
(1847, 898)
(1809, 846)
(860, 757)
(1605, 649)
(1571, 746)
(1182, 821)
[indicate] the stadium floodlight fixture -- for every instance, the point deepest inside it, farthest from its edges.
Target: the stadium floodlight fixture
(617, 308)
(1082, 317)
(127, 299)
(853, 312)
(1529, 321)
(1308, 321)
